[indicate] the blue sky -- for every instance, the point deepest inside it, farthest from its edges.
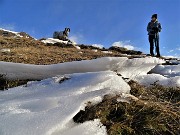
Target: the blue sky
(96, 21)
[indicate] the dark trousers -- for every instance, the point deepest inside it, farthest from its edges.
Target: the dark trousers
(154, 41)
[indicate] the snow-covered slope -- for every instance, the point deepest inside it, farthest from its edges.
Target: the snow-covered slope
(47, 107)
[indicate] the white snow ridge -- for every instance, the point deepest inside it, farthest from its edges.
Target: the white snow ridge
(47, 107)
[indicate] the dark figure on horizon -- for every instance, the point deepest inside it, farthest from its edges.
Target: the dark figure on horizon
(153, 28)
(62, 35)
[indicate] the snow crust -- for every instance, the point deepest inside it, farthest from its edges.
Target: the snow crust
(167, 70)
(47, 107)
(150, 79)
(137, 66)
(167, 75)
(128, 68)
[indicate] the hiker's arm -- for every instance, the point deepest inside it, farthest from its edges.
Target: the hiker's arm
(149, 29)
(159, 27)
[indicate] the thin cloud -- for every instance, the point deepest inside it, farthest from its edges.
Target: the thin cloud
(78, 38)
(126, 44)
(8, 26)
(98, 46)
(171, 51)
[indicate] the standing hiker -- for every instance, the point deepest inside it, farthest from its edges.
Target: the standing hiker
(153, 28)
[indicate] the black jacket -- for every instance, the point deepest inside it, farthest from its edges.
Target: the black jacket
(154, 28)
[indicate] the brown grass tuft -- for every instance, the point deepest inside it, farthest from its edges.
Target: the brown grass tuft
(149, 115)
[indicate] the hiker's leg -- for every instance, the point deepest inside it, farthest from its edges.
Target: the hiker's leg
(157, 47)
(151, 41)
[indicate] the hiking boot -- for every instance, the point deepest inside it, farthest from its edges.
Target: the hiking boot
(158, 55)
(152, 55)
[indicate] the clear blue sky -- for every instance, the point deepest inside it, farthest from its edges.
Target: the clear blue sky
(96, 21)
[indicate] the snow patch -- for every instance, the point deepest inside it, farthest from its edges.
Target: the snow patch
(47, 107)
(92, 128)
(167, 70)
(77, 47)
(107, 52)
(150, 79)
(5, 50)
(95, 50)
(53, 41)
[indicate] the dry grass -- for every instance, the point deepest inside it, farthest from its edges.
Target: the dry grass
(35, 52)
(169, 97)
(6, 84)
(155, 113)
(30, 51)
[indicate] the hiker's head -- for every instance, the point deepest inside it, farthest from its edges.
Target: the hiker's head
(154, 17)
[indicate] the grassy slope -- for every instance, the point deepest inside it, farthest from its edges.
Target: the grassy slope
(32, 51)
